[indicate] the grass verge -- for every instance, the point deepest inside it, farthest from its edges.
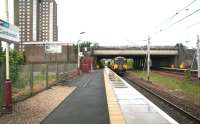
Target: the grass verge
(184, 86)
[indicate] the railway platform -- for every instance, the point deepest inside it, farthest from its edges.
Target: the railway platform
(86, 105)
(102, 97)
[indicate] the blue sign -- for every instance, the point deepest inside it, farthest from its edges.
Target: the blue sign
(4, 24)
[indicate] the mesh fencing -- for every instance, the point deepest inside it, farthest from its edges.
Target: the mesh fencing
(34, 78)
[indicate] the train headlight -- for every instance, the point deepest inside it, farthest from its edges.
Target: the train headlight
(125, 66)
(115, 66)
(182, 66)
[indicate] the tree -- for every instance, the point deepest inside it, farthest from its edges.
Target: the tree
(2, 55)
(86, 44)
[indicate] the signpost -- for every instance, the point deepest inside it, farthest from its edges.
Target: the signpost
(10, 34)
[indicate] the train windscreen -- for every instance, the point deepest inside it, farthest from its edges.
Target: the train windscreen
(120, 61)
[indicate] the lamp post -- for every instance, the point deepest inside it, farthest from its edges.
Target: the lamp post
(78, 59)
(91, 45)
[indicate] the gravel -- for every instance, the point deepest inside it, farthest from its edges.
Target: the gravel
(36, 108)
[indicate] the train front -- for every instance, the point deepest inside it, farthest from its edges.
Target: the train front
(120, 65)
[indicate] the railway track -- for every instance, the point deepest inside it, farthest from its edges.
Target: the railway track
(183, 117)
(177, 71)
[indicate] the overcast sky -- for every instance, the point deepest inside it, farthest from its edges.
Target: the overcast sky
(116, 22)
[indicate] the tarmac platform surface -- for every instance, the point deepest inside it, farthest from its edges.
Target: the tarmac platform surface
(102, 97)
(86, 105)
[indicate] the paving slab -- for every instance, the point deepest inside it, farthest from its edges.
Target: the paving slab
(34, 109)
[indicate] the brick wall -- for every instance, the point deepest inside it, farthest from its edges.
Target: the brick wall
(37, 54)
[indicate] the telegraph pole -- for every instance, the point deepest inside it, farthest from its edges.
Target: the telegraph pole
(198, 57)
(148, 58)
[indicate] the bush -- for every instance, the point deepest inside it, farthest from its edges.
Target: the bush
(16, 58)
(2, 55)
(100, 64)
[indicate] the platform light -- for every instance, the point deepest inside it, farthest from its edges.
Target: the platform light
(78, 59)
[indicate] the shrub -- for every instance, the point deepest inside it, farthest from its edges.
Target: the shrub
(16, 58)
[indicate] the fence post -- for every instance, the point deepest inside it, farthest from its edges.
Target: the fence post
(47, 80)
(57, 71)
(31, 79)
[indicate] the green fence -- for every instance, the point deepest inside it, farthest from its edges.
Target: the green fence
(34, 78)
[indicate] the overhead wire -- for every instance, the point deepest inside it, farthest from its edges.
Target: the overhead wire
(167, 21)
(180, 20)
(192, 25)
(177, 13)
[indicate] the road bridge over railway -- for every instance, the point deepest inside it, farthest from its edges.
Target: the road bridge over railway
(160, 56)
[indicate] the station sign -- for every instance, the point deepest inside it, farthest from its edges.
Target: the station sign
(4, 24)
(80, 54)
(9, 32)
(53, 49)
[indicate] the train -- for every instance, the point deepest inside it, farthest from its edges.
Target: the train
(119, 65)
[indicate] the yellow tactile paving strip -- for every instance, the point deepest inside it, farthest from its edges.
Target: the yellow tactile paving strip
(115, 113)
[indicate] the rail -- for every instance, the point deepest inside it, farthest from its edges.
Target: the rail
(165, 100)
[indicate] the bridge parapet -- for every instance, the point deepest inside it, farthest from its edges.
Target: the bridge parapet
(155, 50)
(135, 48)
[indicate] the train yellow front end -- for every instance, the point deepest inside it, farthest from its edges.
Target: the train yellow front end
(119, 65)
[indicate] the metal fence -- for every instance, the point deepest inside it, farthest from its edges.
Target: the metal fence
(34, 78)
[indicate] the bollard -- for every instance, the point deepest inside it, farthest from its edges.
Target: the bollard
(7, 96)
